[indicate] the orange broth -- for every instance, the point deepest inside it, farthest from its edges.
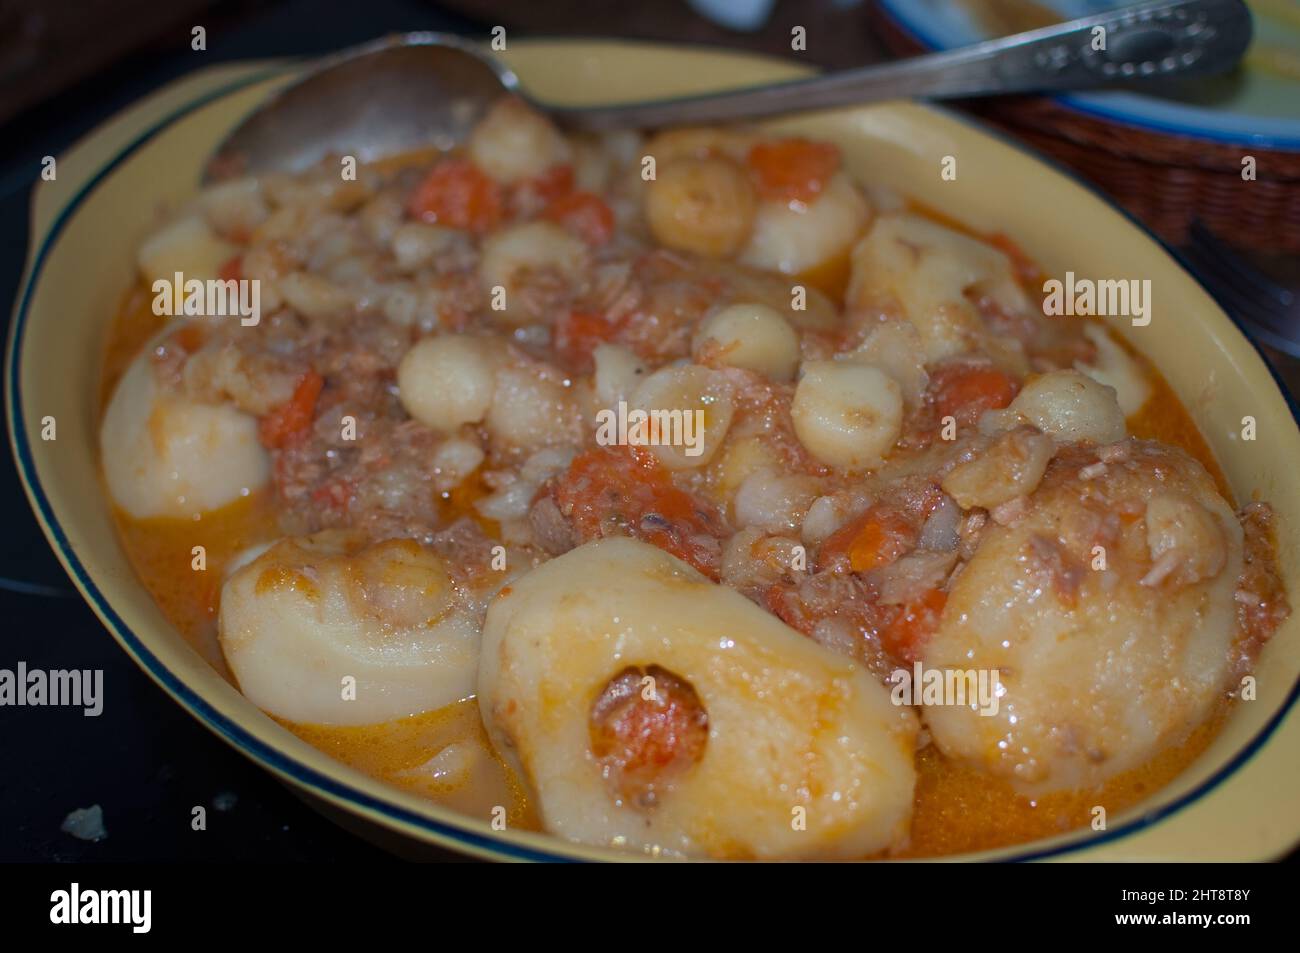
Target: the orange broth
(957, 809)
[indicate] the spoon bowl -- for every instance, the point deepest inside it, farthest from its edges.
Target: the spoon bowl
(392, 95)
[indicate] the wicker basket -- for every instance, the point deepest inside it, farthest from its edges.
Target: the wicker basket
(1166, 180)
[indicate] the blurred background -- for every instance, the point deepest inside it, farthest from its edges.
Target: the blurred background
(1173, 159)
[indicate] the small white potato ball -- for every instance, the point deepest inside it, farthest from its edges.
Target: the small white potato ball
(188, 246)
(530, 410)
(847, 415)
(752, 336)
(691, 409)
(508, 256)
(701, 206)
(448, 380)
(513, 142)
(618, 372)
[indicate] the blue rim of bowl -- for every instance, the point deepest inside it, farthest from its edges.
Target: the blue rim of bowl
(317, 782)
(896, 12)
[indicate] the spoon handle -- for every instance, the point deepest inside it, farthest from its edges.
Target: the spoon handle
(1159, 39)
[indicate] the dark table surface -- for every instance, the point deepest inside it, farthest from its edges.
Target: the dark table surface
(145, 761)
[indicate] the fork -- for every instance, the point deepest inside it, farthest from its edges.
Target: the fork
(1270, 311)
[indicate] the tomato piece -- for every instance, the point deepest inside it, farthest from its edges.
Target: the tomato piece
(585, 214)
(876, 538)
(782, 600)
(578, 334)
(793, 169)
(232, 269)
(644, 742)
(904, 637)
(964, 391)
(553, 184)
(626, 491)
(456, 193)
(289, 422)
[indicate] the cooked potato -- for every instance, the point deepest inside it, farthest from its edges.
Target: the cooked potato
(703, 206)
(1010, 467)
(313, 296)
(417, 244)
(769, 746)
(449, 380)
(188, 246)
(1100, 668)
(310, 613)
(165, 455)
(774, 501)
(234, 208)
(618, 373)
(699, 405)
(1071, 406)
(895, 348)
(514, 254)
(1116, 369)
(930, 275)
(513, 142)
(531, 409)
(1184, 540)
(752, 336)
(847, 414)
(792, 238)
(817, 312)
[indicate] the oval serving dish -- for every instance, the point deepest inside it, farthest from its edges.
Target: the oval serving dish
(1236, 802)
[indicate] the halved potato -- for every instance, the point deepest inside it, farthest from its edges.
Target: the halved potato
(805, 756)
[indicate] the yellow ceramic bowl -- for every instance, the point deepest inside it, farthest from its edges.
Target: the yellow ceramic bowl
(1239, 801)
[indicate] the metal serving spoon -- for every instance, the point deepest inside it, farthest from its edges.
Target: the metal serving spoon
(421, 89)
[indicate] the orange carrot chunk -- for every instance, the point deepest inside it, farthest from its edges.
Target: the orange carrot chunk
(793, 169)
(876, 538)
(578, 334)
(585, 214)
(456, 193)
(905, 636)
(964, 391)
(291, 421)
(626, 491)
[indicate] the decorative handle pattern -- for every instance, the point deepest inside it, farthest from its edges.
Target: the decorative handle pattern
(1159, 39)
